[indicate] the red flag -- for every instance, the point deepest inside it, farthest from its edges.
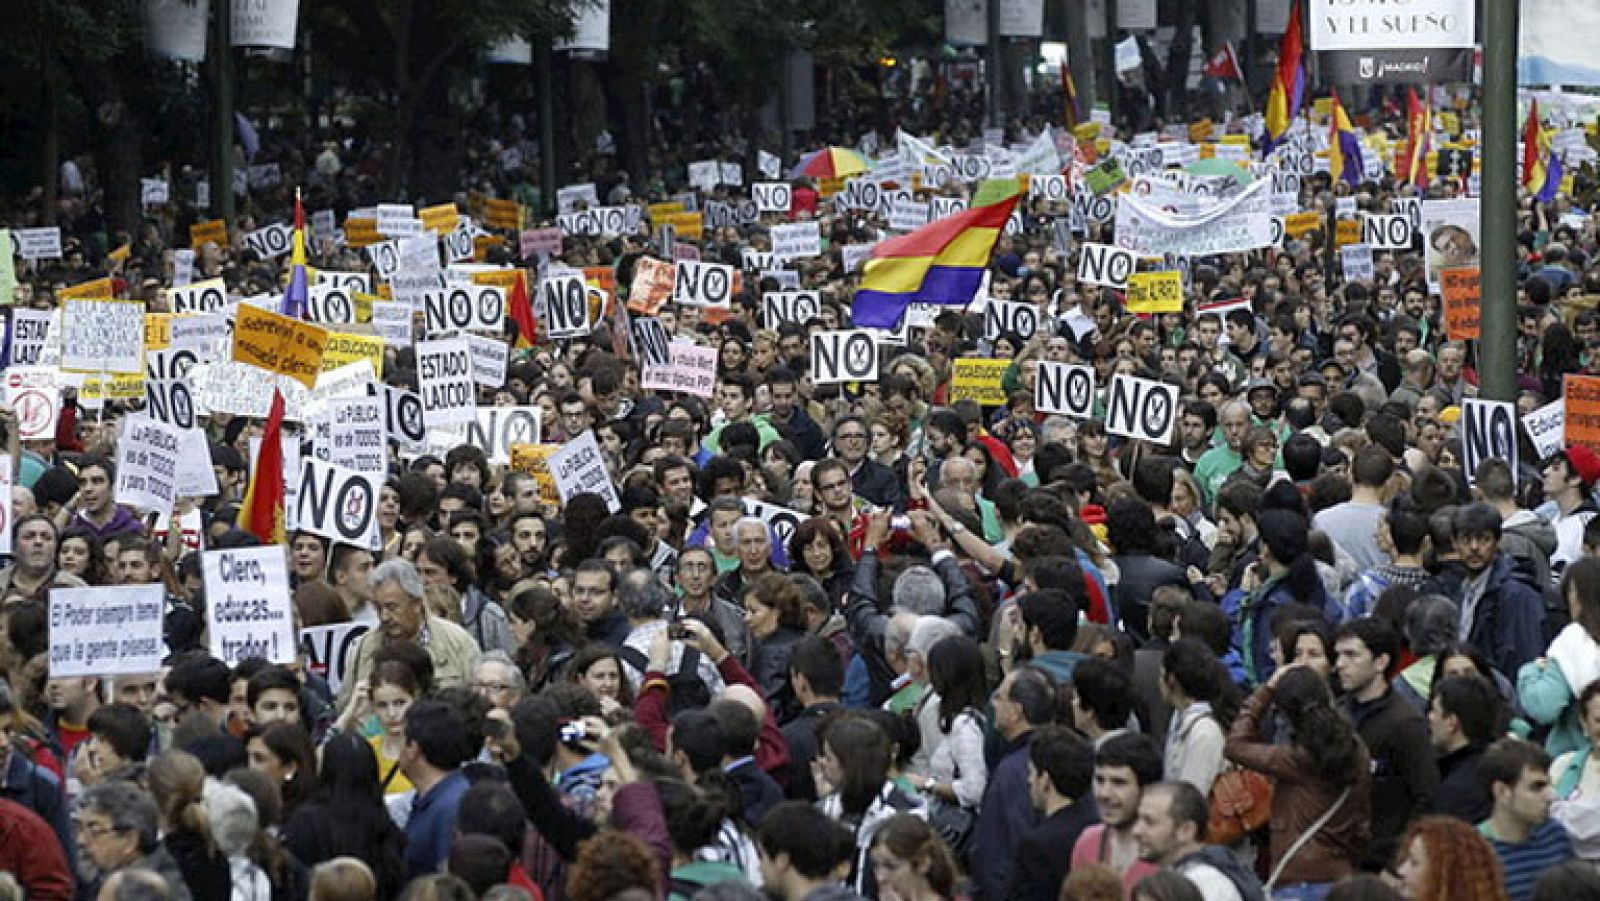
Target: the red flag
(261, 512)
(522, 312)
(1223, 64)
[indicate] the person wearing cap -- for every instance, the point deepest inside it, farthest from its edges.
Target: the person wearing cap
(1569, 480)
(1262, 395)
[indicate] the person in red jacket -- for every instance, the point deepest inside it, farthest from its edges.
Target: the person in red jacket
(30, 852)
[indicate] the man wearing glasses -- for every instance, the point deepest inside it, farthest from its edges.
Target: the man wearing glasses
(838, 501)
(869, 478)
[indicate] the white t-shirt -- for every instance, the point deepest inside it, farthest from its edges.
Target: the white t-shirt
(1213, 885)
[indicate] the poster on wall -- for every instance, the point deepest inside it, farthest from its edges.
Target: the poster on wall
(1556, 43)
(1365, 42)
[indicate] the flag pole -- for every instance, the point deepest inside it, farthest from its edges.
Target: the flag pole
(1498, 203)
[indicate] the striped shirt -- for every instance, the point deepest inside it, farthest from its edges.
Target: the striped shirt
(1549, 846)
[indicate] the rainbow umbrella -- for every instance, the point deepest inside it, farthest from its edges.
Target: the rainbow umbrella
(830, 162)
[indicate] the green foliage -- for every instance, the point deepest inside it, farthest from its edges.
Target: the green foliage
(42, 32)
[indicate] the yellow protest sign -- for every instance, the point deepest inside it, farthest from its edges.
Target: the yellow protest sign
(689, 226)
(361, 231)
(121, 254)
(660, 210)
(279, 344)
(109, 386)
(1201, 131)
(1155, 292)
(99, 289)
(482, 244)
(439, 219)
(157, 331)
(344, 348)
(213, 232)
(499, 278)
(1086, 132)
(1239, 140)
(534, 459)
(500, 213)
(1301, 224)
(1450, 122)
(979, 380)
(1347, 231)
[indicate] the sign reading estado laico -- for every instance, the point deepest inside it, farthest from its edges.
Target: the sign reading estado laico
(1384, 42)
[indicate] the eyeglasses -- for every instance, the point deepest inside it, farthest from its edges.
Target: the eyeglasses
(95, 830)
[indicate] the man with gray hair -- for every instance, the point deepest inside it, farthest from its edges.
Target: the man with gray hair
(752, 544)
(896, 636)
(1216, 464)
(498, 680)
(400, 599)
(866, 620)
(118, 828)
(647, 603)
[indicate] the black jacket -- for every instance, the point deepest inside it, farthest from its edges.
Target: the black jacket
(801, 737)
(803, 431)
(1044, 855)
(877, 483)
(1459, 795)
(611, 630)
(1142, 574)
(769, 663)
(866, 618)
(758, 792)
(1404, 774)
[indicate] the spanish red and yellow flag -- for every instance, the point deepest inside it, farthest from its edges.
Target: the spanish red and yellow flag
(261, 513)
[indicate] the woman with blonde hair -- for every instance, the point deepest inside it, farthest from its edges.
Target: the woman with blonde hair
(1446, 859)
(343, 879)
(177, 782)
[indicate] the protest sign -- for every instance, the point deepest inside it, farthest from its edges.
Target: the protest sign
(1155, 292)
(248, 611)
(438, 219)
(102, 336)
(1237, 224)
(1450, 230)
(772, 196)
(1356, 262)
(330, 650)
(703, 285)
(94, 289)
(1390, 232)
(1488, 431)
(331, 305)
(540, 242)
(403, 419)
(343, 349)
(278, 344)
(356, 435)
(843, 356)
(572, 198)
(29, 331)
(37, 243)
(195, 477)
(1105, 177)
(339, 504)
(209, 296)
(109, 630)
(779, 307)
(1064, 388)
(1142, 408)
(566, 306)
(496, 429)
(652, 285)
(460, 308)
(1462, 290)
(1001, 317)
(692, 370)
(580, 468)
(1546, 427)
(393, 323)
(170, 400)
(796, 240)
(147, 460)
(270, 242)
(445, 376)
(979, 380)
(157, 331)
(214, 231)
(907, 216)
(1581, 417)
(202, 335)
(648, 341)
(489, 359)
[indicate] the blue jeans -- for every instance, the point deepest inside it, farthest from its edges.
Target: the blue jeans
(1302, 891)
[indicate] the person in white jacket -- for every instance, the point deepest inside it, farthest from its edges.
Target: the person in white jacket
(1195, 684)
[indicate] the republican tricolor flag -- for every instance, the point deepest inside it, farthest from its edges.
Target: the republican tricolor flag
(1344, 147)
(941, 263)
(1288, 84)
(295, 296)
(1541, 168)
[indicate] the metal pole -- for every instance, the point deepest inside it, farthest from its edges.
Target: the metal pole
(547, 125)
(222, 104)
(997, 116)
(1497, 348)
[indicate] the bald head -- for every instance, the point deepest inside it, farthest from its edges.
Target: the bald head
(745, 695)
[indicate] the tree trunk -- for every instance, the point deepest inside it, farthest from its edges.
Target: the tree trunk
(50, 145)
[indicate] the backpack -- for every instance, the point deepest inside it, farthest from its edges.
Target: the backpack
(689, 691)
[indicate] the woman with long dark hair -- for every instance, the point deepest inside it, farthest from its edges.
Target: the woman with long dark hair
(545, 632)
(1286, 573)
(346, 816)
(283, 752)
(853, 786)
(957, 771)
(1321, 804)
(911, 863)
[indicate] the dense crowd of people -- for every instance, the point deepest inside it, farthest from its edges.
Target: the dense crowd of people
(1299, 652)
